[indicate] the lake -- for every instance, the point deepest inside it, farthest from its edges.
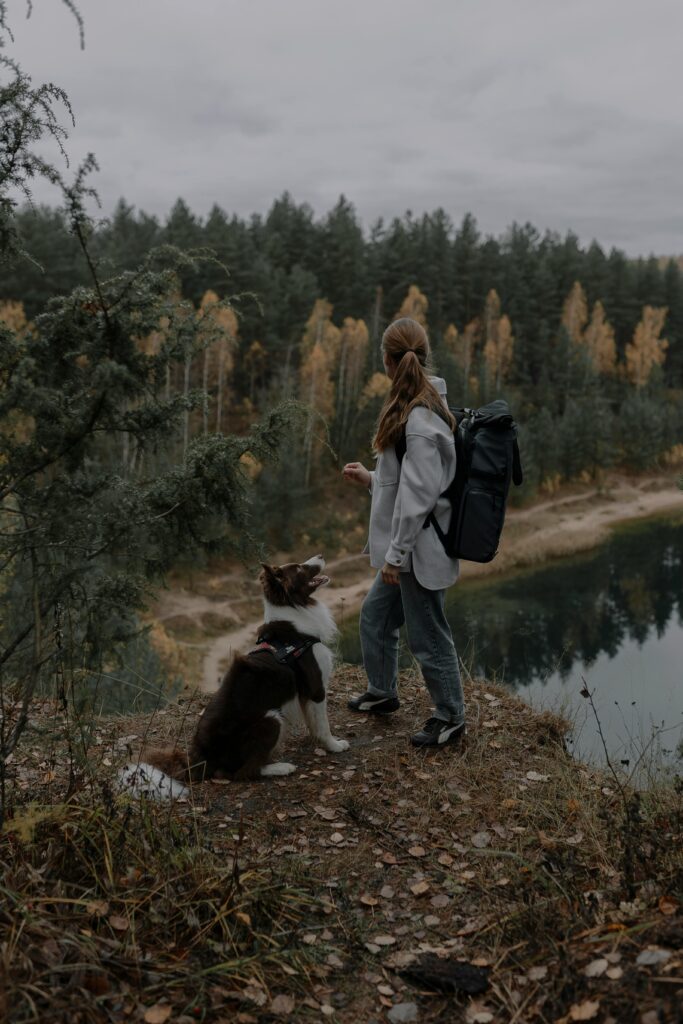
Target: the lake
(613, 617)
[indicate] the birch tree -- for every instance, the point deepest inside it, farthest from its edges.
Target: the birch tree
(498, 340)
(218, 331)
(647, 349)
(575, 312)
(353, 347)
(415, 305)
(319, 355)
(599, 340)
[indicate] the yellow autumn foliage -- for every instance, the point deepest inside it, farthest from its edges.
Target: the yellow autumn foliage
(378, 386)
(575, 312)
(415, 305)
(599, 340)
(498, 339)
(321, 331)
(647, 349)
(12, 314)
(252, 467)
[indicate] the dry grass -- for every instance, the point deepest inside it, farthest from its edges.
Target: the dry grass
(308, 896)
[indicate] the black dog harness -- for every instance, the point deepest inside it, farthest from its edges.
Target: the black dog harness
(285, 653)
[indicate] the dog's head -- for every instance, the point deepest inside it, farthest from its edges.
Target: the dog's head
(295, 583)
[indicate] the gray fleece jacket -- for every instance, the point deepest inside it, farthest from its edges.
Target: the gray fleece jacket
(402, 496)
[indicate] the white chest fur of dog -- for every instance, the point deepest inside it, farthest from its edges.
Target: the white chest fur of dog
(314, 620)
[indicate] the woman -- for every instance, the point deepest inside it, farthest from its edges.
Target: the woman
(414, 570)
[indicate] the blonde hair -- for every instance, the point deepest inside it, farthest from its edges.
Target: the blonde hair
(405, 343)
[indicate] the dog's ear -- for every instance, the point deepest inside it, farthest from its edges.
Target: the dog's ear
(268, 569)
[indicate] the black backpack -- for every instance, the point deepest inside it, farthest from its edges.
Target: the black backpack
(487, 460)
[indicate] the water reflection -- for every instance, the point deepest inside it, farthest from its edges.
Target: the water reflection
(536, 624)
(614, 615)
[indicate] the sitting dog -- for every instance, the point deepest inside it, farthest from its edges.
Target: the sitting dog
(279, 684)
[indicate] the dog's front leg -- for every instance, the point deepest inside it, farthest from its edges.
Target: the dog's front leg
(315, 715)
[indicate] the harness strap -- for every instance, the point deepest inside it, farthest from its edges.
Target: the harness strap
(282, 652)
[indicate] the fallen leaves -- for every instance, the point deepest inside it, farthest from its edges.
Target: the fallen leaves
(158, 1014)
(436, 844)
(584, 1011)
(326, 813)
(97, 908)
(667, 905)
(402, 1013)
(652, 956)
(282, 1005)
(118, 923)
(595, 968)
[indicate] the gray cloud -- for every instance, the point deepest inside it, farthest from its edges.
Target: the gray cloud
(562, 114)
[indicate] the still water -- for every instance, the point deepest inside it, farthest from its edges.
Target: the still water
(613, 617)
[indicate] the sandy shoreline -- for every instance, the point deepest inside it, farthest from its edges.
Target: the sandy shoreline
(555, 528)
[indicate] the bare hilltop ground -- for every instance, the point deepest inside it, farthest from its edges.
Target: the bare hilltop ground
(504, 882)
(210, 615)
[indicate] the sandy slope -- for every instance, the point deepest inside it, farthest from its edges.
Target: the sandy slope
(549, 529)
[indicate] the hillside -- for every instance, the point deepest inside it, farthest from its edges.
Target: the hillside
(545, 889)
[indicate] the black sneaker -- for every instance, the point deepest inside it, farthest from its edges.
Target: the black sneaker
(373, 704)
(438, 733)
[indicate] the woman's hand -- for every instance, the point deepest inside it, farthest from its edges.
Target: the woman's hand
(390, 574)
(357, 473)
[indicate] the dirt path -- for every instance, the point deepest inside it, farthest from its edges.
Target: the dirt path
(228, 606)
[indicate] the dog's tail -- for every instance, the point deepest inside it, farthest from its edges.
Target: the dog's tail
(159, 777)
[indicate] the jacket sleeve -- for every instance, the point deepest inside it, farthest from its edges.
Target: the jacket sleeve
(419, 488)
(372, 480)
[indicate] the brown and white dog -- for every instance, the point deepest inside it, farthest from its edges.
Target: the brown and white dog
(261, 698)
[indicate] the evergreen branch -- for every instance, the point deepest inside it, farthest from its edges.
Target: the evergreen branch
(56, 456)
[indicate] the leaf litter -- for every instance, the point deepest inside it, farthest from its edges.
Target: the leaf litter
(410, 860)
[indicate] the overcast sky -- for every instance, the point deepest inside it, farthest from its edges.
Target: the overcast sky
(566, 113)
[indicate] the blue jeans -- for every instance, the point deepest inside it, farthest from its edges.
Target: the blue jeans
(385, 608)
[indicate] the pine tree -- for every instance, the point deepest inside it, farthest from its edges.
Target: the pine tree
(83, 542)
(673, 299)
(465, 262)
(341, 259)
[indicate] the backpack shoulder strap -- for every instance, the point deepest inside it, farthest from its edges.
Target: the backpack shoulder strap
(517, 474)
(401, 445)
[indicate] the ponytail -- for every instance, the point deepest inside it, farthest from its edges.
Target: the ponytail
(405, 343)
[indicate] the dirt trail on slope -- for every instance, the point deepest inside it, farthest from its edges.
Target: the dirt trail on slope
(221, 612)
